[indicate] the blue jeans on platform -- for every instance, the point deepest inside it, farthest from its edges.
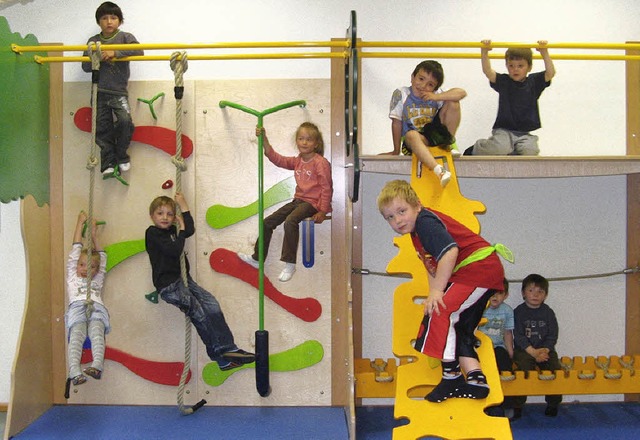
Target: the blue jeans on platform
(205, 314)
(114, 129)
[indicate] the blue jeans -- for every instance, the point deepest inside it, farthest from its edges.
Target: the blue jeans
(114, 129)
(205, 314)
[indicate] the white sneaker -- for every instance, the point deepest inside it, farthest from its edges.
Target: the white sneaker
(125, 166)
(108, 171)
(445, 177)
(455, 152)
(287, 272)
(247, 259)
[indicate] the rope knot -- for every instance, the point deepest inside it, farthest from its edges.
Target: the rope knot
(92, 162)
(95, 54)
(179, 163)
(179, 65)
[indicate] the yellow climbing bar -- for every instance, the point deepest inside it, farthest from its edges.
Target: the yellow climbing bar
(183, 46)
(245, 56)
(497, 55)
(497, 44)
(494, 45)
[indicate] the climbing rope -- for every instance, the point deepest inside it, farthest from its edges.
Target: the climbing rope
(95, 54)
(626, 271)
(628, 365)
(178, 63)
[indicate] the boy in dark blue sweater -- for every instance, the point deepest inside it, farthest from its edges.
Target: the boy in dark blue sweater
(535, 337)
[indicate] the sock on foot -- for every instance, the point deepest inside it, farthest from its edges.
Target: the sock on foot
(476, 386)
(447, 388)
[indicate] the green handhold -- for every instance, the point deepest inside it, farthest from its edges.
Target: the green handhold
(153, 297)
(118, 252)
(221, 216)
(302, 356)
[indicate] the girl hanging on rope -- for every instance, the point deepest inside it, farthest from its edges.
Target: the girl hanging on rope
(86, 313)
(314, 189)
(165, 241)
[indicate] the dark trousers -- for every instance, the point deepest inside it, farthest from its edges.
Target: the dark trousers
(291, 215)
(114, 129)
(526, 362)
(505, 363)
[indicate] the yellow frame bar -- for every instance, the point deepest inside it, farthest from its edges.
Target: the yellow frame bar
(178, 46)
(496, 44)
(335, 44)
(463, 55)
(195, 57)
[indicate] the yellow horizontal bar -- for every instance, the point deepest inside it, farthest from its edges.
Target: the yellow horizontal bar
(180, 46)
(195, 57)
(496, 44)
(462, 55)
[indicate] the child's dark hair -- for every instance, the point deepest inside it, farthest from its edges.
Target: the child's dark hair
(162, 201)
(432, 67)
(315, 132)
(519, 53)
(505, 284)
(536, 280)
(108, 8)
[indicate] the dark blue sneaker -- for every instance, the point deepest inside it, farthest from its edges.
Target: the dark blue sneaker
(239, 356)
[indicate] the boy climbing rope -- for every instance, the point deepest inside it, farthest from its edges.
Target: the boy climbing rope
(165, 241)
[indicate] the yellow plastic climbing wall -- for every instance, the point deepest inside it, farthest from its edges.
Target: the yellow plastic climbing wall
(453, 418)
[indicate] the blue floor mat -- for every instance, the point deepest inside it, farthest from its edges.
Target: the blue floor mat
(82, 422)
(584, 421)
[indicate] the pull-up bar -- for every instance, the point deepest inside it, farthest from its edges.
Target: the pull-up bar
(498, 44)
(181, 46)
(246, 56)
(494, 45)
(461, 55)
(154, 46)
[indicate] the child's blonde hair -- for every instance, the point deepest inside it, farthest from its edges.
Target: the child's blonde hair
(95, 256)
(315, 132)
(400, 189)
(162, 201)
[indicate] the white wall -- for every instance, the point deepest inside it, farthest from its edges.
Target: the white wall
(582, 113)
(12, 290)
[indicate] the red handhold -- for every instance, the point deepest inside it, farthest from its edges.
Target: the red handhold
(225, 261)
(168, 184)
(158, 137)
(164, 373)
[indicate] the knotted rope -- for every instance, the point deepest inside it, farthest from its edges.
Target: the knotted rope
(178, 63)
(95, 54)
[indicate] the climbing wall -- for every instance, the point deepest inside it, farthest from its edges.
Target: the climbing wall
(453, 418)
(146, 345)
